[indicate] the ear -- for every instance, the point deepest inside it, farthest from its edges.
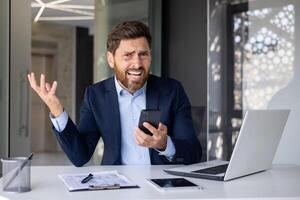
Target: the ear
(110, 59)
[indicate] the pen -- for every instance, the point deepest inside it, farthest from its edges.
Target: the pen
(86, 179)
(105, 187)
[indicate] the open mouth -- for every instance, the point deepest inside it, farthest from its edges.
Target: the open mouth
(135, 72)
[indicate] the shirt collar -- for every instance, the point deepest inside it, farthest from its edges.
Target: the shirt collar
(121, 91)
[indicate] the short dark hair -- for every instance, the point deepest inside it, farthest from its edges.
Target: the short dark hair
(127, 30)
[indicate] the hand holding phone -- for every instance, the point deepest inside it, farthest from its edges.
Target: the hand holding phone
(150, 116)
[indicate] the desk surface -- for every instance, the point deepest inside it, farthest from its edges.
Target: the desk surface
(281, 182)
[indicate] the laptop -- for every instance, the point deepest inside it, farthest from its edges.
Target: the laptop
(254, 150)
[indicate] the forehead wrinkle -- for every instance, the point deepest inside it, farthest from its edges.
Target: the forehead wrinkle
(135, 45)
(135, 51)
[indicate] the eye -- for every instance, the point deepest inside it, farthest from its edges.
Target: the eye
(127, 55)
(145, 53)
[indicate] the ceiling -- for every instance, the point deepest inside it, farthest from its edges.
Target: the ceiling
(67, 12)
(81, 12)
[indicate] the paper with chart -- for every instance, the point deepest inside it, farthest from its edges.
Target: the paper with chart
(108, 178)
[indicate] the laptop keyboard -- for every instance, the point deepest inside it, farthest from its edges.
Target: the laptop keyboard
(213, 170)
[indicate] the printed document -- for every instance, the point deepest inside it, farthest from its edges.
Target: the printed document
(100, 180)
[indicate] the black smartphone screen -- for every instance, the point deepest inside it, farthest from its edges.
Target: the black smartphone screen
(172, 182)
(150, 116)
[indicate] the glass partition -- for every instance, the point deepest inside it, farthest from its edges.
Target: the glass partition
(4, 74)
(252, 65)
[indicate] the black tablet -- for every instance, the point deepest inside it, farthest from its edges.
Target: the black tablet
(173, 184)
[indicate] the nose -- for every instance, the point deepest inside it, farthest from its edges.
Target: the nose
(137, 61)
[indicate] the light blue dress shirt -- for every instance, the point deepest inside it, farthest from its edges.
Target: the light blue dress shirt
(130, 106)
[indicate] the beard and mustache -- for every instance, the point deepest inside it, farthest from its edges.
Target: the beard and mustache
(132, 85)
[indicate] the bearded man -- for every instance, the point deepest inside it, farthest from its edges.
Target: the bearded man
(111, 109)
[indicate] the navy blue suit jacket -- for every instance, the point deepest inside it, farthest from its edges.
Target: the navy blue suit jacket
(99, 117)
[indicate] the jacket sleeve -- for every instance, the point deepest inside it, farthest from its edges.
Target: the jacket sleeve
(79, 142)
(187, 145)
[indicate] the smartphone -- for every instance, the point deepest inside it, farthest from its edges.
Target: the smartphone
(152, 117)
(173, 184)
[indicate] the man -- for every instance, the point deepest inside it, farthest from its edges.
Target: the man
(111, 109)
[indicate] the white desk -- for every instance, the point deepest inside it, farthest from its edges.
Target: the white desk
(281, 182)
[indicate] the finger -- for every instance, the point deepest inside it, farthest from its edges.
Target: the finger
(33, 83)
(140, 141)
(143, 135)
(48, 87)
(162, 127)
(42, 83)
(136, 140)
(29, 79)
(53, 88)
(28, 76)
(151, 128)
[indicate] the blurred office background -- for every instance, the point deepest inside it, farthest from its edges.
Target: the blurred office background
(230, 55)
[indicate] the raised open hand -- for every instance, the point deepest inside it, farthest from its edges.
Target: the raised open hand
(47, 93)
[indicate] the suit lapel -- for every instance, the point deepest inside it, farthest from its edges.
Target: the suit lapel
(152, 95)
(111, 98)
